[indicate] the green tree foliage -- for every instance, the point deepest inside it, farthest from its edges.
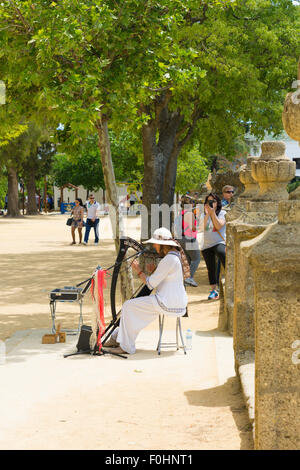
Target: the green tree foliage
(10, 131)
(39, 161)
(192, 170)
(14, 153)
(79, 59)
(174, 70)
(86, 171)
(127, 156)
(83, 166)
(294, 185)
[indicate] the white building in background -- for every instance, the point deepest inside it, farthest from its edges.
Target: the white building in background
(69, 195)
(292, 148)
(124, 191)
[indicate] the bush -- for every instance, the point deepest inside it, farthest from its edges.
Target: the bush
(294, 185)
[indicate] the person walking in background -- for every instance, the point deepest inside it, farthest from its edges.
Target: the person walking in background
(213, 225)
(92, 220)
(123, 203)
(50, 202)
(227, 192)
(188, 239)
(77, 213)
(132, 200)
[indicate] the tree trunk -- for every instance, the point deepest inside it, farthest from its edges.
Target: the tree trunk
(170, 177)
(154, 164)
(112, 196)
(31, 201)
(13, 194)
(160, 165)
(45, 195)
(163, 136)
(109, 176)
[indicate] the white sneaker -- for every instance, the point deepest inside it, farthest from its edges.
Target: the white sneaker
(96, 243)
(85, 243)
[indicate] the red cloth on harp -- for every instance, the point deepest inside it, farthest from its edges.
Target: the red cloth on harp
(98, 282)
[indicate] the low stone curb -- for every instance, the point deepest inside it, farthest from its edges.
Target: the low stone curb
(247, 378)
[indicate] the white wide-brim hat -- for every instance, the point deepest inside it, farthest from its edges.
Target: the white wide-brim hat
(162, 236)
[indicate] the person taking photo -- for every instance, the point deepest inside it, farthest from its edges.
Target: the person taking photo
(213, 225)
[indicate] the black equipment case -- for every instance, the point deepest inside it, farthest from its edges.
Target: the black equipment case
(83, 344)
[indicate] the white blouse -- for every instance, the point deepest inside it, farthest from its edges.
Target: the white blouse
(167, 279)
(211, 237)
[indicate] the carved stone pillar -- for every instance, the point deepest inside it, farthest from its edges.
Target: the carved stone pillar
(251, 189)
(275, 261)
(251, 185)
(271, 170)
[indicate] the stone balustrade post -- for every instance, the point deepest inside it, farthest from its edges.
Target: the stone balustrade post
(271, 170)
(251, 189)
(275, 260)
(267, 276)
(251, 186)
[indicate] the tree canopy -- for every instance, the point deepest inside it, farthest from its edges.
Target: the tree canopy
(14, 153)
(173, 70)
(192, 170)
(82, 165)
(78, 58)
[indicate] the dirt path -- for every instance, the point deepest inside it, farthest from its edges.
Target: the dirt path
(145, 402)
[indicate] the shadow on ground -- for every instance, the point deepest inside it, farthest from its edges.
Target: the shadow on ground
(226, 395)
(27, 280)
(213, 332)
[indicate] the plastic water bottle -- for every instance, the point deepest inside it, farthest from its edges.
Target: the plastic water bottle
(2, 352)
(188, 339)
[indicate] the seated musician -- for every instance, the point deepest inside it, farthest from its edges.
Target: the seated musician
(169, 299)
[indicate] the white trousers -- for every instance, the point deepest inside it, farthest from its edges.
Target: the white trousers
(136, 314)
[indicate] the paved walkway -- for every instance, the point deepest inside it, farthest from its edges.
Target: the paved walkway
(172, 401)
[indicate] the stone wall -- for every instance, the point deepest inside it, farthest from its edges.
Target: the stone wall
(255, 212)
(232, 217)
(275, 260)
(261, 302)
